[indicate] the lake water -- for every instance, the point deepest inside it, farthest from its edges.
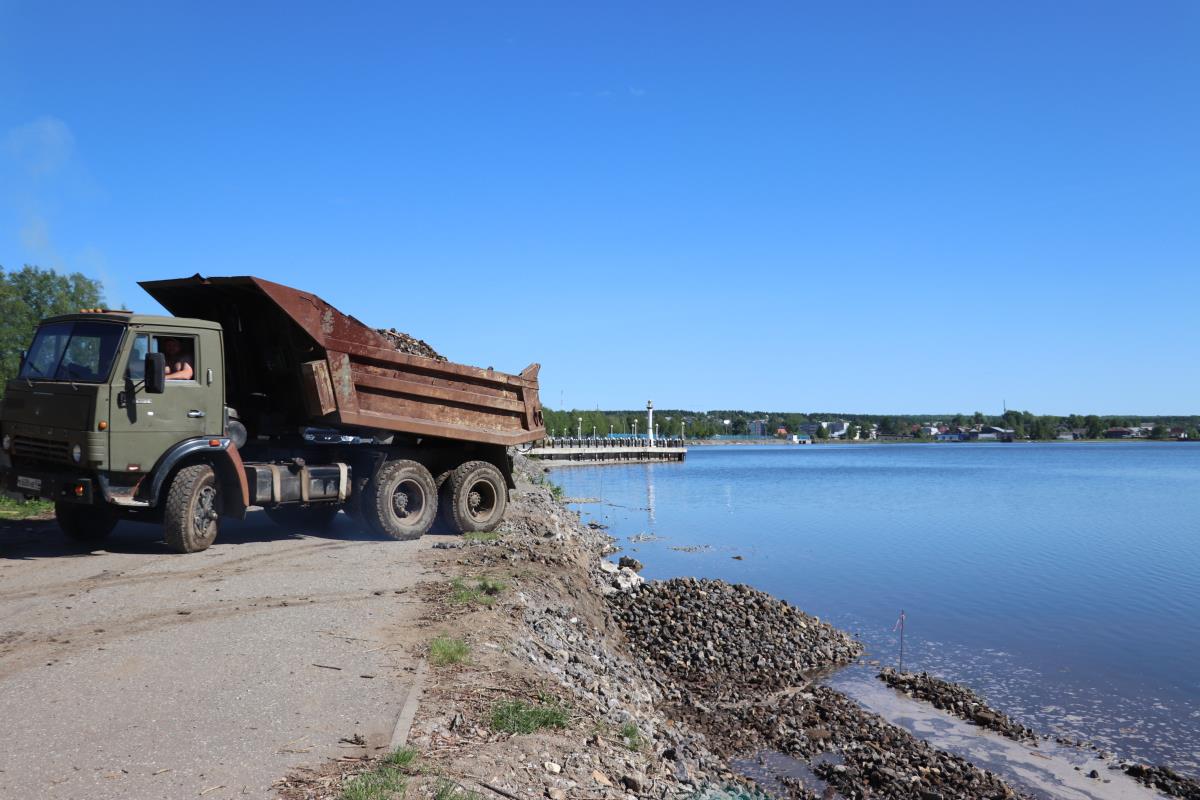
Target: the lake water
(1062, 581)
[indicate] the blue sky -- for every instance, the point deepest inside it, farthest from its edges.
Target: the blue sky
(872, 207)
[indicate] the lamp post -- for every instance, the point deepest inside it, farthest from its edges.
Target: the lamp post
(579, 433)
(650, 429)
(610, 430)
(635, 427)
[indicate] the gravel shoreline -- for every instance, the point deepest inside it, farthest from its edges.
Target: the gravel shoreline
(666, 685)
(714, 672)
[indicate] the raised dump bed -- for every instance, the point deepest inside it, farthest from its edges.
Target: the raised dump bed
(292, 360)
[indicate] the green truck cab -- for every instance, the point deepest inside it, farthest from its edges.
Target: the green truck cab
(100, 421)
(83, 426)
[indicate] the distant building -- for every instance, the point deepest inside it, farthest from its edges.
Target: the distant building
(837, 430)
(781, 430)
(990, 433)
(1119, 433)
(757, 427)
(951, 436)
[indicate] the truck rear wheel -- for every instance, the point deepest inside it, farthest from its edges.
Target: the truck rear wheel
(312, 518)
(476, 497)
(90, 524)
(193, 506)
(401, 500)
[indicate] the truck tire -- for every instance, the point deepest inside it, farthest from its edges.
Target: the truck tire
(90, 524)
(476, 497)
(400, 501)
(190, 518)
(312, 518)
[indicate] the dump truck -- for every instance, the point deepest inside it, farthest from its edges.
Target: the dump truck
(255, 395)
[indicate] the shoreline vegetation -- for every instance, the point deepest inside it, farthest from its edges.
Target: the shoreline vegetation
(696, 426)
(575, 678)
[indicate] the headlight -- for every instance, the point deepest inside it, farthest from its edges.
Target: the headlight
(77, 453)
(7, 442)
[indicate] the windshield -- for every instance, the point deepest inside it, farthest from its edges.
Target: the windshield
(72, 351)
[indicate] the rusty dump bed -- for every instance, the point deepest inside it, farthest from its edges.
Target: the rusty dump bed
(294, 360)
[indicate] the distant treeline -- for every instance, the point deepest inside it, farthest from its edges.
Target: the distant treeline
(704, 424)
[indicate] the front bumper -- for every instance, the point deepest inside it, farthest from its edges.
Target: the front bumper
(58, 485)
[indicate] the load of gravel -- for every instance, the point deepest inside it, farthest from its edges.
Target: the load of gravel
(409, 344)
(724, 638)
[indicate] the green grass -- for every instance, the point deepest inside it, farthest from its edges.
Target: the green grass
(631, 736)
(518, 716)
(481, 536)
(444, 651)
(386, 781)
(484, 592)
(404, 758)
(449, 790)
(25, 509)
(381, 783)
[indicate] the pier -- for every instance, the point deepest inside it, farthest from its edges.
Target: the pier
(604, 450)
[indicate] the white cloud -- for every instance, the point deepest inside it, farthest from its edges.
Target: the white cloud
(41, 147)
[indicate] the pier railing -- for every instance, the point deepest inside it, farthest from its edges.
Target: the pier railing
(640, 443)
(602, 449)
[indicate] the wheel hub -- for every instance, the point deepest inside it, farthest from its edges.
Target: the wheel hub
(481, 501)
(206, 509)
(407, 500)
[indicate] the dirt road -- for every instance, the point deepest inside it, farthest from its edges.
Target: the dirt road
(132, 672)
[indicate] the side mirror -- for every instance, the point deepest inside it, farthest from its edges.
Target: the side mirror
(156, 373)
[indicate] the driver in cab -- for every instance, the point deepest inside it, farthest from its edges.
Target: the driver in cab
(179, 362)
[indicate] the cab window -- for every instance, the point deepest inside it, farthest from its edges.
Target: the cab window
(75, 351)
(135, 369)
(181, 356)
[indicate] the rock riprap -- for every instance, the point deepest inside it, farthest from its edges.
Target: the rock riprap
(725, 638)
(957, 700)
(409, 344)
(855, 752)
(1165, 780)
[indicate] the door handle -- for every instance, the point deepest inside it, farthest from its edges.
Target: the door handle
(195, 414)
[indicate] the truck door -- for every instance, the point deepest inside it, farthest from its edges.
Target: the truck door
(144, 426)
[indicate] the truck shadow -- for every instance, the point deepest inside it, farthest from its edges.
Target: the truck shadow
(33, 539)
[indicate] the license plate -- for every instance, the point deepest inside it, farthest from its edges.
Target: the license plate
(32, 484)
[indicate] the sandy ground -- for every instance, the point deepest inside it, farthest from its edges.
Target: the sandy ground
(133, 672)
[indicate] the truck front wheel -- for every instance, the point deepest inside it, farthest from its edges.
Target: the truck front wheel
(476, 497)
(193, 505)
(401, 500)
(90, 524)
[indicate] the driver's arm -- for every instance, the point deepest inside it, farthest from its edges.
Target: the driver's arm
(180, 371)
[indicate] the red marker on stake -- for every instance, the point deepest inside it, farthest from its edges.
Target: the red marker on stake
(899, 626)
